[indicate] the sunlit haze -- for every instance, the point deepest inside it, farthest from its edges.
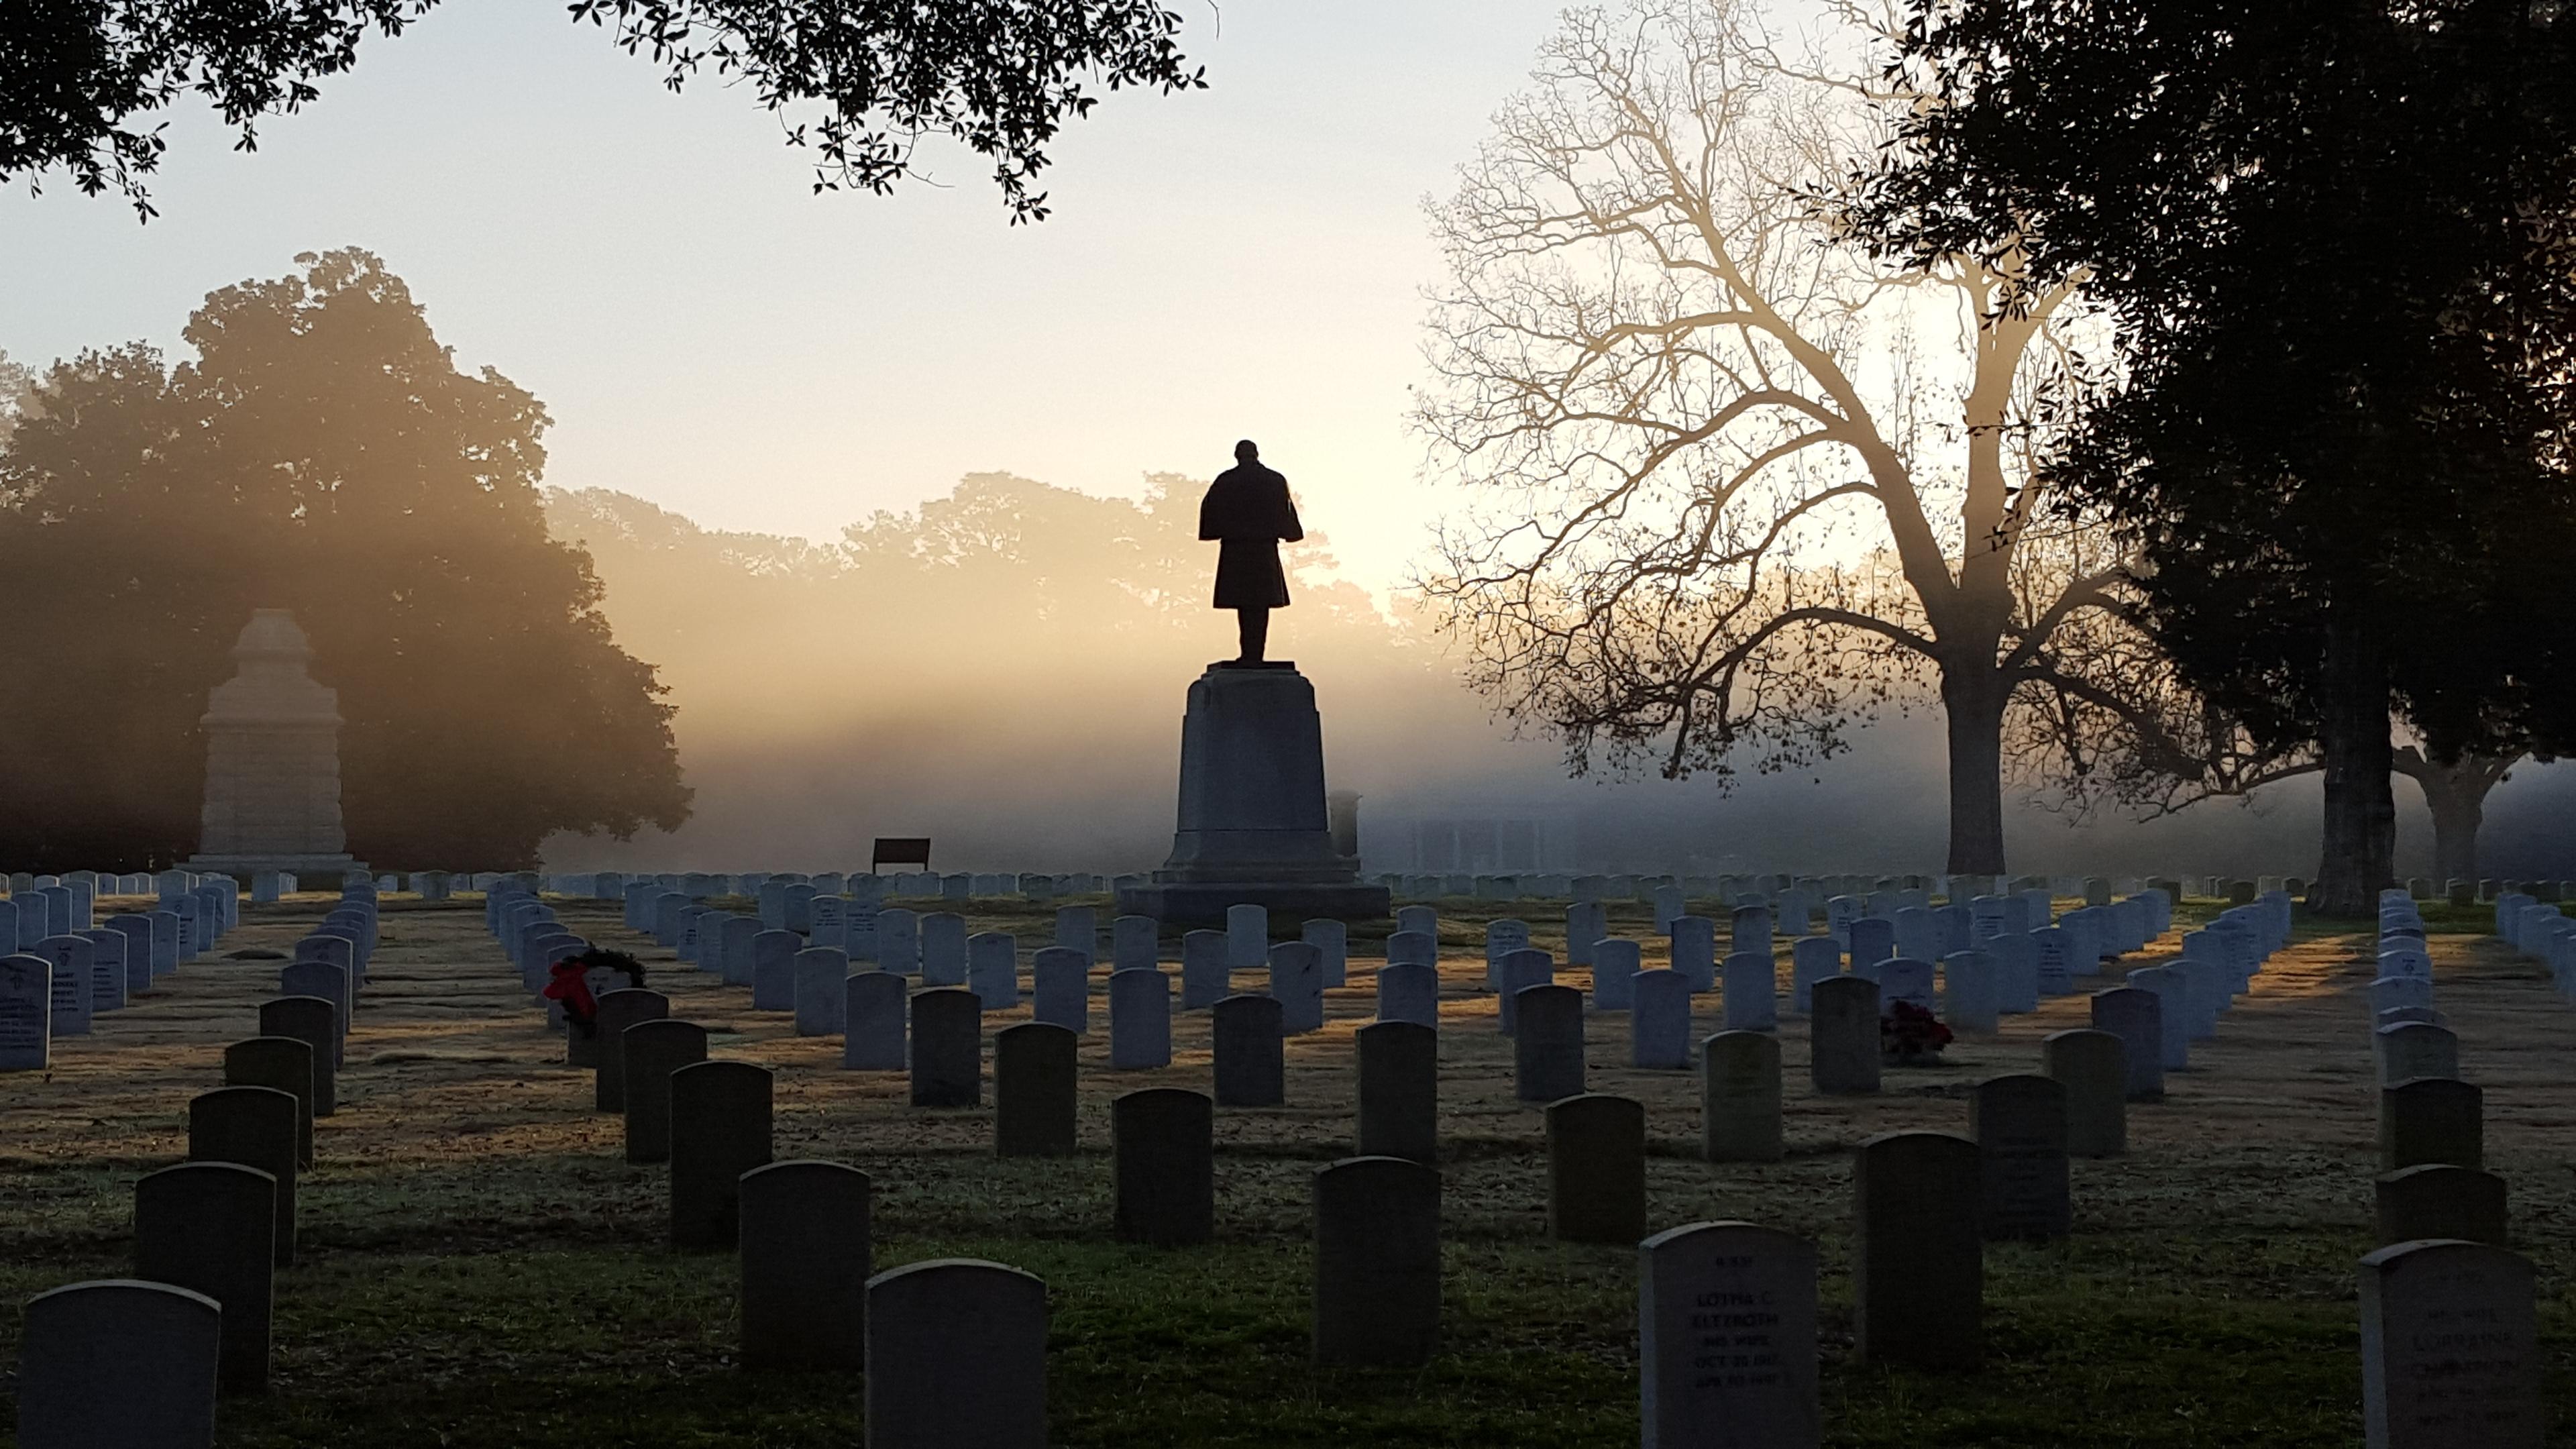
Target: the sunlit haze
(712, 335)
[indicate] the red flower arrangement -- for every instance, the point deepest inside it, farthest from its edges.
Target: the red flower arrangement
(1910, 1035)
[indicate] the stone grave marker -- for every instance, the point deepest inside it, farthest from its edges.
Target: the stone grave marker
(78, 1384)
(1694, 952)
(1077, 928)
(1740, 1097)
(1918, 1262)
(1034, 1090)
(1596, 1168)
(315, 1022)
(1843, 1036)
(1408, 993)
(284, 1063)
(1250, 1058)
(1971, 1004)
(2450, 1349)
(211, 1228)
(993, 969)
(137, 931)
(1751, 997)
(720, 1129)
(737, 961)
(1332, 942)
(26, 1013)
(2019, 1125)
(1140, 1019)
(1205, 978)
(943, 949)
(1502, 937)
(1423, 919)
(616, 1011)
(1811, 959)
(652, 1050)
(255, 1127)
(1547, 1047)
(1162, 1149)
(2172, 991)
(74, 996)
(2431, 1119)
(1659, 1022)
(821, 997)
(2416, 1049)
(1585, 923)
(1873, 939)
(898, 946)
(947, 1048)
(1060, 988)
(1377, 1263)
(956, 1355)
(773, 969)
(874, 1021)
(2439, 1200)
(1726, 1339)
(1616, 963)
(2137, 1018)
(807, 1254)
(2093, 1067)
(1397, 1065)
(1521, 970)
(1297, 983)
(2391, 992)
(1135, 944)
(1247, 937)
(109, 981)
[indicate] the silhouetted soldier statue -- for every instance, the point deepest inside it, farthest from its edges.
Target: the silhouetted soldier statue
(1248, 511)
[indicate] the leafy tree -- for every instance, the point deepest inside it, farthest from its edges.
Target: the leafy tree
(863, 81)
(1742, 484)
(321, 453)
(2338, 239)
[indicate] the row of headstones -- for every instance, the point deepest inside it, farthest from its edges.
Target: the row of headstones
(2019, 1137)
(64, 970)
(209, 1235)
(614, 885)
(2539, 929)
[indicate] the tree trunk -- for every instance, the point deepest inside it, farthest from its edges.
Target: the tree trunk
(1975, 706)
(2457, 814)
(2360, 846)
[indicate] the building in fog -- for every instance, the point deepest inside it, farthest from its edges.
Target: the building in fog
(1482, 836)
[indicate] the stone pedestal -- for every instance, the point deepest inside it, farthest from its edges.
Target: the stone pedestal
(272, 761)
(1254, 829)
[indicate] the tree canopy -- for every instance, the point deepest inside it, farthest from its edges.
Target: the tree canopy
(2338, 239)
(861, 81)
(320, 453)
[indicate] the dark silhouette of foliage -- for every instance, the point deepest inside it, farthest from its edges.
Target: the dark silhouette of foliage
(322, 454)
(2338, 238)
(862, 81)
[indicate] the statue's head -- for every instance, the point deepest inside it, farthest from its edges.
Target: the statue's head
(1245, 452)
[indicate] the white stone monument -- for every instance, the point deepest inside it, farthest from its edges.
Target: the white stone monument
(272, 761)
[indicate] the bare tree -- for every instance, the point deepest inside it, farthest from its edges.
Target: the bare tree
(1738, 485)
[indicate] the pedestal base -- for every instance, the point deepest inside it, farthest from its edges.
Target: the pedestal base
(1253, 829)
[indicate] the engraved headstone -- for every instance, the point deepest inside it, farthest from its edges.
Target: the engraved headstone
(1726, 1339)
(2450, 1349)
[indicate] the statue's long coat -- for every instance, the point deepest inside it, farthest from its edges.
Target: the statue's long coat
(1248, 510)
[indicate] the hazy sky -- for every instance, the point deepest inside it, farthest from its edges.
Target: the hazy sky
(711, 335)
